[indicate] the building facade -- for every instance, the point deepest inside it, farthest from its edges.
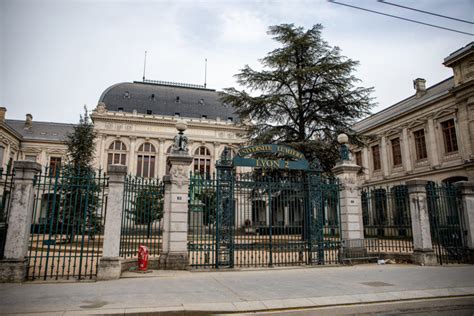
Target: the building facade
(429, 135)
(135, 124)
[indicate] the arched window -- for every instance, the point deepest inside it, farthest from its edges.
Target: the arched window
(202, 160)
(146, 160)
(117, 153)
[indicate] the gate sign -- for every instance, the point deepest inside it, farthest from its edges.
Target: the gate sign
(299, 162)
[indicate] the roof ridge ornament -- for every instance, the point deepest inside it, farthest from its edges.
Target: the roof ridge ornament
(175, 84)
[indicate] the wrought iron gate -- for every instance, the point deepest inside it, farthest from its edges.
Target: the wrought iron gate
(448, 232)
(257, 220)
(67, 224)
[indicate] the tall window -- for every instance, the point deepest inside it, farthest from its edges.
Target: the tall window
(396, 152)
(2, 152)
(146, 160)
(54, 165)
(449, 135)
(358, 156)
(117, 153)
(376, 157)
(202, 160)
(420, 144)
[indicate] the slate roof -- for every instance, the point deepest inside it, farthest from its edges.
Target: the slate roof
(41, 131)
(164, 98)
(405, 106)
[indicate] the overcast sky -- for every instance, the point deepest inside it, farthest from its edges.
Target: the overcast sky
(57, 56)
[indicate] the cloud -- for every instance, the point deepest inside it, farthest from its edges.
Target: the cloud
(242, 27)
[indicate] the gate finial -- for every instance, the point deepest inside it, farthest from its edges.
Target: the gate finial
(180, 145)
(343, 139)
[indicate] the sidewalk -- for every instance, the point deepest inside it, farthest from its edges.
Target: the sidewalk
(231, 291)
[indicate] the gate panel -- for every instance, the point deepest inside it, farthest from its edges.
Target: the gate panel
(202, 221)
(386, 217)
(67, 224)
(447, 224)
(6, 186)
(142, 215)
(269, 221)
(324, 215)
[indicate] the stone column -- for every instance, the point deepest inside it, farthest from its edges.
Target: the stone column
(349, 197)
(384, 157)
(422, 247)
(110, 264)
(350, 200)
(467, 212)
(132, 164)
(433, 154)
(175, 217)
(13, 265)
(161, 159)
(406, 151)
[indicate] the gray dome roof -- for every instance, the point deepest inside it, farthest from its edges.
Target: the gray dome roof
(165, 98)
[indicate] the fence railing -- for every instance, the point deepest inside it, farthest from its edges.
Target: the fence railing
(386, 216)
(67, 224)
(142, 215)
(447, 223)
(6, 186)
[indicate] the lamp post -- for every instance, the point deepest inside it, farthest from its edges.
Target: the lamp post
(343, 139)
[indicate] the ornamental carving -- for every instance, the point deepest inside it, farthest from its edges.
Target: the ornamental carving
(179, 175)
(101, 108)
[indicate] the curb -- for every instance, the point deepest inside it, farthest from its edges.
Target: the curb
(277, 305)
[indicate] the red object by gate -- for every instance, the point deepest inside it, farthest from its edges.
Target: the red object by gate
(142, 258)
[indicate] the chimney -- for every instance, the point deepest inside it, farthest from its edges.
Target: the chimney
(3, 114)
(420, 86)
(29, 120)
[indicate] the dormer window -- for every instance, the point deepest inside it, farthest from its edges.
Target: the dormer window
(229, 119)
(201, 102)
(204, 116)
(177, 99)
(126, 95)
(153, 97)
(177, 115)
(149, 112)
(120, 109)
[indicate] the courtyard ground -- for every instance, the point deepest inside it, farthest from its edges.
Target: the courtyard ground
(275, 290)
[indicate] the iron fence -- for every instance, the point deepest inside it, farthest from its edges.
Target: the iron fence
(142, 215)
(448, 233)
(67, 224)
(386, 216)
(6, 186)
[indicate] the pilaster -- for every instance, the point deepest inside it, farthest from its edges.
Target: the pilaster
(422, 246)
(13, 265)
(109, 264)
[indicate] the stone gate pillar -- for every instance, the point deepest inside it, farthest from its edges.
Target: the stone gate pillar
(174, 255)
(13, 265)
(350, 197)
(467, 213)
(110, 264)
(422, 247)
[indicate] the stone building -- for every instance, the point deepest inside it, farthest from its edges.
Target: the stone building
(429, 135)
(42, 142)
(135, 123)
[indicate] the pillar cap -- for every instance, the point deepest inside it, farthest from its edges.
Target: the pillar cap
(416, 182)
(465, 186)
(27, 164)
(117, 169)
